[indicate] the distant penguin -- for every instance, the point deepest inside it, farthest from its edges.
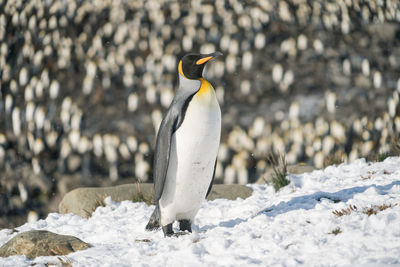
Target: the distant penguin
(186, 148)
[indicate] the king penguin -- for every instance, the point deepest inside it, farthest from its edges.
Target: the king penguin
(186, 148)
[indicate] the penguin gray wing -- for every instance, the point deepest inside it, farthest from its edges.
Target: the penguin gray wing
(163, 147)
(171, 122)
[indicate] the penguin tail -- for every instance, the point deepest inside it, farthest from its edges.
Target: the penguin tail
(154, 222)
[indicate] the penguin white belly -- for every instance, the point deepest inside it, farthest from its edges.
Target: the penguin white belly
(194, 149)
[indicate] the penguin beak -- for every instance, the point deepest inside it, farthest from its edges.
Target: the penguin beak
(208, 57)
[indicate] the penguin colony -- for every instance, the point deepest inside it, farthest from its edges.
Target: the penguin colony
(85, 84)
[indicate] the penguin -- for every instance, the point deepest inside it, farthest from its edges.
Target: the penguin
(186, 148)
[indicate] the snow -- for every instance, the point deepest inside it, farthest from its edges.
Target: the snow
(290, 227)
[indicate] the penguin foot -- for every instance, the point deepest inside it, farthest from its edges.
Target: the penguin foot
(178, 234)
(168, 232)
(185, 225)
(167, 229)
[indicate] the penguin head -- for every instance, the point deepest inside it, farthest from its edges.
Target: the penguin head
(191, 65)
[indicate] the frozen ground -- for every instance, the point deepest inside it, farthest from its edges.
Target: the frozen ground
(292, 227)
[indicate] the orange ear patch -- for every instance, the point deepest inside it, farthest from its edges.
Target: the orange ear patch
(203, 60)
(180, 69)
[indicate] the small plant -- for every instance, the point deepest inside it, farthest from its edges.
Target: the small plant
(336, 231)
(395, 146)
(139, 197)
(279, 167)
(394, 150)
(98, 202)
(369, 175)
(375, 209)
(145, 240)
(382, 156)
(370, 211)
(334, 159)
(347, 211)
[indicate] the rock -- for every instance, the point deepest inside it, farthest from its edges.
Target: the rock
(37, 243)
(229, 191)
(291, 169)
(266, 178)
(299, 168)
(83, 201)
(362, 81)
(9, 221)
(386, 32)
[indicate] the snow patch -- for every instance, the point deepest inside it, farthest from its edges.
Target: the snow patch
(293, 226)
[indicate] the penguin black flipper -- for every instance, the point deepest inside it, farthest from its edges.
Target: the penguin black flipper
(212, 180)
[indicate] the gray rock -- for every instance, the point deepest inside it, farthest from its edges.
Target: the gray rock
(36, 243)
(229, 191)
(291, 169)
(300, 168)
(362, 81)
(266, 178)
(385, 32)
(83, 201)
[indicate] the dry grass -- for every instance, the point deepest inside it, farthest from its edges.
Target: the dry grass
(369, 175)
(373, 210)
(99, 203)
(346, 211)
(145, 240)
(140, 197)
(335, 159)
(65, 261)
(393, 151)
